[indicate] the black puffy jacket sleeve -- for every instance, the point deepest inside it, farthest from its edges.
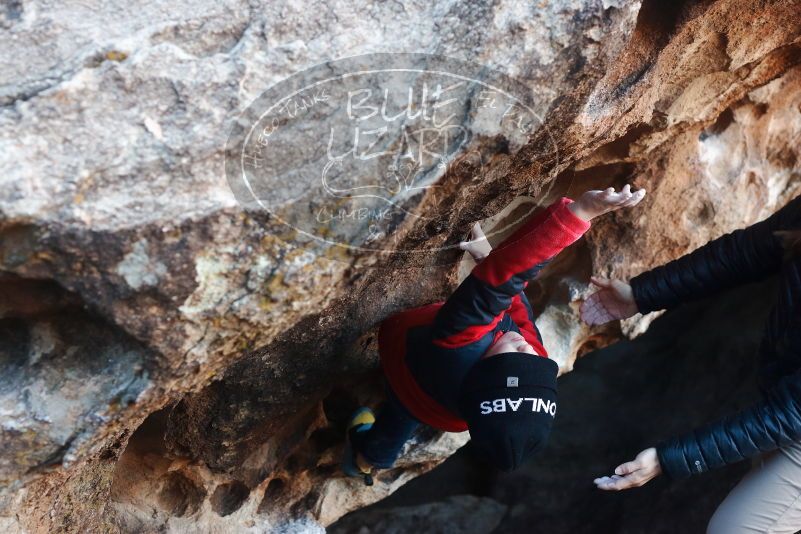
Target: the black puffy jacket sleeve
(772, 423)
(739, 257)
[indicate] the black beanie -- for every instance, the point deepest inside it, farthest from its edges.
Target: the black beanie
(509, 403)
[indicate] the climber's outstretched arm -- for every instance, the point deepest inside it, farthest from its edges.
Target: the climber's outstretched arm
(520, 310)
(479, 302)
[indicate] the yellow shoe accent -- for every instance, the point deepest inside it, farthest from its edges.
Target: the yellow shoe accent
(364, 416)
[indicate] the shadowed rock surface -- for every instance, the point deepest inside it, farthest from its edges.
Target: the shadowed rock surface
(174, 362)
(456, 514)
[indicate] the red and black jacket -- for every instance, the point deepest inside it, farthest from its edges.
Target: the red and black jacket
(427, 351)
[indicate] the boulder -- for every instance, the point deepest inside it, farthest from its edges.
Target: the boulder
(177, 358)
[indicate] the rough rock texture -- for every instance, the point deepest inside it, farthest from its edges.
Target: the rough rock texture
(172, 363)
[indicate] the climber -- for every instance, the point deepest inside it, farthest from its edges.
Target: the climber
(768, 499)
(476, 362)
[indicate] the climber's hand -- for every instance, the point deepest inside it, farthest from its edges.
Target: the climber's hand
(478, 246)
(613, 301)
(594, 203)
(632, 474)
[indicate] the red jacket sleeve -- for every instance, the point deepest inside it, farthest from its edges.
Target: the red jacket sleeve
(478, 304)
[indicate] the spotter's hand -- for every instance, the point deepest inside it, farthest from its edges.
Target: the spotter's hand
(634, 474)
(613, 301)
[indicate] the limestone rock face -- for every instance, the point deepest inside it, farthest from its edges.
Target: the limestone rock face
(172, 361)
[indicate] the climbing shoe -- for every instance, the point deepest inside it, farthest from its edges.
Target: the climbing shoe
(361, 421)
